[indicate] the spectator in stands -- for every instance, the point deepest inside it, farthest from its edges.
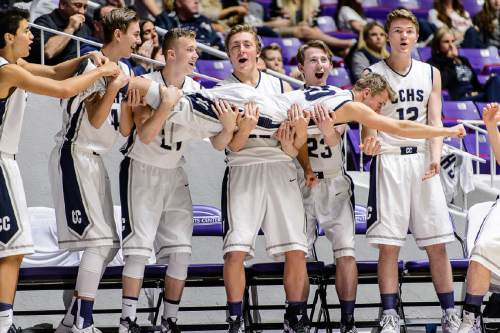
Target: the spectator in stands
(186, 15)
(451, 14)
(146, 9)
(296, 19)
(273, 58)
(41, 7)
(70, 17)
(150, 48)
(457, 75)
(350, 15)
(98, 35)
(371, 49)
(488, 23)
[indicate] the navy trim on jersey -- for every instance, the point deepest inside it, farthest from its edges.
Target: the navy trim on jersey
(77, 218)
(127, 146)
(432, 75)
(372, 194)
(402, 75)
(282, 86)
(224, 203)
(124, 183)
(7, 211)
(75, 119)
(258, 82)
(341, 105)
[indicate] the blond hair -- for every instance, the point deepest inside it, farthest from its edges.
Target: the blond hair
(243, 28)
(120, 19)
(376, 83)
(318, 44)
(401, 13)
(270, 47)
(173, 35)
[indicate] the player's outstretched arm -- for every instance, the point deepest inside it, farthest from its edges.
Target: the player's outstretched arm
(305, 163)
(16, 76)
(227, 115)
(246, 123)
(363, 114)
(491, 117)
(63, 70)
(149, 123)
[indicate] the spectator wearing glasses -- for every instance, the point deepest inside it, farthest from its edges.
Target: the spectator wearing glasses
(70, 17)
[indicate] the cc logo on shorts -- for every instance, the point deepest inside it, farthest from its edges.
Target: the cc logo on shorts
(8, 229)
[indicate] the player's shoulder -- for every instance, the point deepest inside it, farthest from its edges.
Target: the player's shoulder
(271, 83)
(153, 76)
(191, 85)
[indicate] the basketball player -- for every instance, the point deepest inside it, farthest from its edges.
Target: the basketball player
(16, 78)
(156, 204)
(259, 161)
(327, 190)
(484, 259)
(92, 122)
(404, 194)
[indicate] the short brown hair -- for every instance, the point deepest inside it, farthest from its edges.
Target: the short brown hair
(119, 18)
(318, 44)
(243, 28)
(173, 35)
(376, 83)
(270, 47)
(401, 13)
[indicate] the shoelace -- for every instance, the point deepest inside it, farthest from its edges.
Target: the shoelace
(453, 320)
(390, 321)
(234, 325)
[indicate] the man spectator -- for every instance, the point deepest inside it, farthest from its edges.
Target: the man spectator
(186, 15)
(70, 18)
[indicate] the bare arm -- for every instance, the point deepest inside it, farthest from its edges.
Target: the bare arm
(491, 117)
(246, 123)
(434, 119)
(56, 44)
(361, 113)
(16, 76)
(152, 7)
(227, 115)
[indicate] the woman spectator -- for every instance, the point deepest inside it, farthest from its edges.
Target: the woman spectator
(451, 14)
(371, 49)
(350, 16)
(295, 18)
(488, 22)
(457, 75)
(150, 48)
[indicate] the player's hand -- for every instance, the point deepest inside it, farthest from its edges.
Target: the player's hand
(146, 49)
(310, 178)
(120, 81)
(298, 118)
(248, 121)
(170, 95)
(323, 119)
(76, 21)
(432, 170)
(110, 69)
(134, 98)
(226, 113)
(457, 131)
(370, 146)
(491, 115)
(98, 58)
(286, 135)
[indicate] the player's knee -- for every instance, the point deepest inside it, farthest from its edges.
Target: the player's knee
(436, 250)
(345, 260)
(295, 256)
(134, 266)
(178, 264)
(388, 250)
(234, 258)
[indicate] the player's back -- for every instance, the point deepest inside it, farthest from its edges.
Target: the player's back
(167, 149)
(11, 117)
(412, 95)
(259, 149)
(77, 129)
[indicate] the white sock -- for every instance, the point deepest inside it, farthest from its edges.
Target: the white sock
(170, 308)
(69, 318)
(129, 307)
(6, 318)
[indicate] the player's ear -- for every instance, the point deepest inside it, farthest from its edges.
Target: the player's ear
(170, 54)
(8, 37)
(300, 67)
(117, 34)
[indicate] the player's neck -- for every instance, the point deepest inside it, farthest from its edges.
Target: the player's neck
(8, 54)
(356, 96)
(171, 76)
(251, 78)
(111, 52)
(399, 62)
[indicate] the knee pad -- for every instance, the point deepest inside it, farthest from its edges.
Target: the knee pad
(134, 266)
(90, 271)
(178, 265)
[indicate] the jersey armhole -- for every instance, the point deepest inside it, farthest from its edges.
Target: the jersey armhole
(432, 75)
(282, 86)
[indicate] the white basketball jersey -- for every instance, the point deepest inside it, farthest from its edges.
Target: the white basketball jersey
(456, 174)
(412, 95)
(11, 117)
(77, 129)
(258, 149)
(164, 151)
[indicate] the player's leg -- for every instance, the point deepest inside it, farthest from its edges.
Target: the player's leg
(243, 211)
(9, 272)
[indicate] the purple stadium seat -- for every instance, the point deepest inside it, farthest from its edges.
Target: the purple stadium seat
(340, 78)
(455, 142)
(484, 151)
(483, 79)
(408, 4)
(491, 69)
(446, 95)
(365, 267)
(479, 58)
(269, 40)
(289, 48)
(458, 266)
(207, 221)
(354, 142)
(328, 7)
(480, 106)
(343, 34)
(473, 6)
(452, 111)
(326, 24)
(425, 53)
(219, 69)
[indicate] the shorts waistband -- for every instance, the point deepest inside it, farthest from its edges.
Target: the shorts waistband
(7, 155)
(253, 136)
(327, 174)
(405, 150)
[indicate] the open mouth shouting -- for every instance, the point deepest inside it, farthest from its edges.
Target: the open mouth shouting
(319, 75)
